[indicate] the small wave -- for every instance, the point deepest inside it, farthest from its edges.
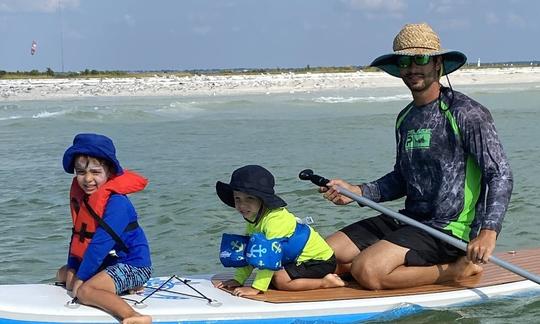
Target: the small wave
(10, 117)
(9, 107)
(46, 114)
(179, 109)
(362, 99)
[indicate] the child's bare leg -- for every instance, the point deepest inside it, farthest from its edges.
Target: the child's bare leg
(282, 281)
(65, 275)
(100, 292)
(141, 319)
(61, 274)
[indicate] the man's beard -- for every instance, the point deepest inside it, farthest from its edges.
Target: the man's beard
(423, 81)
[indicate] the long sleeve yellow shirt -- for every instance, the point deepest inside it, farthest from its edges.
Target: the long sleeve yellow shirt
(278, 223)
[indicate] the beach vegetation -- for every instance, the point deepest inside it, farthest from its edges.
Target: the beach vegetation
(93, 73)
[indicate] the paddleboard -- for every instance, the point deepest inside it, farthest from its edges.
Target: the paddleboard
(194, 299)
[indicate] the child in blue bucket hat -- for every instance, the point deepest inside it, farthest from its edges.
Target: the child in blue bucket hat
(108, 253)
(290, 255)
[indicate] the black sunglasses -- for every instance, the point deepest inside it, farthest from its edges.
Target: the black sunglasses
(404, 61)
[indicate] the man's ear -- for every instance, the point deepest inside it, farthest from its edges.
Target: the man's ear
(439, 65)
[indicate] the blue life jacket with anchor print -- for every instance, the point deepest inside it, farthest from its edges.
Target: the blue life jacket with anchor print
(258, 251)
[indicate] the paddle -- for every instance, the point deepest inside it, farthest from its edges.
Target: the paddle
(322, 182)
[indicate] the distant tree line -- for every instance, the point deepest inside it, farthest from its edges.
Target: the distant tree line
(87, 73)
(49, 73)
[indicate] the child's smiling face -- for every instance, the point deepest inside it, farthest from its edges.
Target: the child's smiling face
(91, 173)
(247, 205)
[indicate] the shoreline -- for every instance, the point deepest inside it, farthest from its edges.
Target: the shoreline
(205, 85)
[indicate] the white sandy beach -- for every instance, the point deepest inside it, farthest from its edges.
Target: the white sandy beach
(203, 85)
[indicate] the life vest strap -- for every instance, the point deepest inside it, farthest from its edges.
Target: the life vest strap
(83, 233)
(107, 228)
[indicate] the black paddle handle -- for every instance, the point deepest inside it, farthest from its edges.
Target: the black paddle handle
(308, 174)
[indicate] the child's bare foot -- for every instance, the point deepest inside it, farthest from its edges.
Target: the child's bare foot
(332, 280)
(465, 268)
(138, 319)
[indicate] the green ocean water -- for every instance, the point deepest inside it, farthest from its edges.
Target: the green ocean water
(185, 144)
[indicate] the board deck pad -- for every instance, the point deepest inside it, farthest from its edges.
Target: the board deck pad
(492, 275)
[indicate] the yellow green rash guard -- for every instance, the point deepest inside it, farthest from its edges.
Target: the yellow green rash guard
(450, 166)
(277, 223)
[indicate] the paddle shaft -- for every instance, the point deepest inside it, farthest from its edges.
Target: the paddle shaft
(321, 181)
(440, 235)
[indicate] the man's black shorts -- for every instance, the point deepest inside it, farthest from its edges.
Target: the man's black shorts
(311, 269)
(424, 249)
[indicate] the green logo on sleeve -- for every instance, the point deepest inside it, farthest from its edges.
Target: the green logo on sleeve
(419, 139)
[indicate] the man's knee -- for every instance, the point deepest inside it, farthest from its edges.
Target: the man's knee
(367, 275)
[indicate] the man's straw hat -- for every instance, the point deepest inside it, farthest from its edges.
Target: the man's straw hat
(419, 39)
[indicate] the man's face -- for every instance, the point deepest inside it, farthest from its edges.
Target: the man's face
(419, 78)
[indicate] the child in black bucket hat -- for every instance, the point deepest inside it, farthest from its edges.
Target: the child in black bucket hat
(304, 260)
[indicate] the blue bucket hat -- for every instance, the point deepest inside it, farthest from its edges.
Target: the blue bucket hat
(418, 39)
(95, 145)
(253, 180)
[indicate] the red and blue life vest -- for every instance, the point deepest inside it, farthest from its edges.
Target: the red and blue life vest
(87, 210)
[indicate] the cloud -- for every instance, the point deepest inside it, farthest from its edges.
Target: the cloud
(130, 21)
(456, 24)
(492, 18)
(377, 6)
(445, 7)
(201, 29)
(514, 20)
(45, 6)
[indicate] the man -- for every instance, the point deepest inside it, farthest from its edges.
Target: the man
(450, 166)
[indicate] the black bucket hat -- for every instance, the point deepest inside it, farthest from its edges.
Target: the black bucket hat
(253, 180)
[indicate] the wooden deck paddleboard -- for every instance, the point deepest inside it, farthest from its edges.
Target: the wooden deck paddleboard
(194, 299)
(491, 276)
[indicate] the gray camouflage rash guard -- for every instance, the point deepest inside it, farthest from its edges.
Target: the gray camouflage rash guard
(450, 165)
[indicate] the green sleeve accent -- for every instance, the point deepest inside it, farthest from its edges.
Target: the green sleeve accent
(400, 120)
(451, 119)
(262, 279)
(241, 274)
(461, 227)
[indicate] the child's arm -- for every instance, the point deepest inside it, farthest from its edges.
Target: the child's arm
(241, 274)
(117, 216)
(262, 279)
(231, 283)
(275, 225)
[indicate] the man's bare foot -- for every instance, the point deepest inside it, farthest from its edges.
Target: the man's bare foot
(465, 268)
(332, 280)
(138, 319)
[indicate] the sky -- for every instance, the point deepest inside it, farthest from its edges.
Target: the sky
(153, 35)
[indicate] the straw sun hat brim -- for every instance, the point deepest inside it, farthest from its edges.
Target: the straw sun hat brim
(452, 60)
